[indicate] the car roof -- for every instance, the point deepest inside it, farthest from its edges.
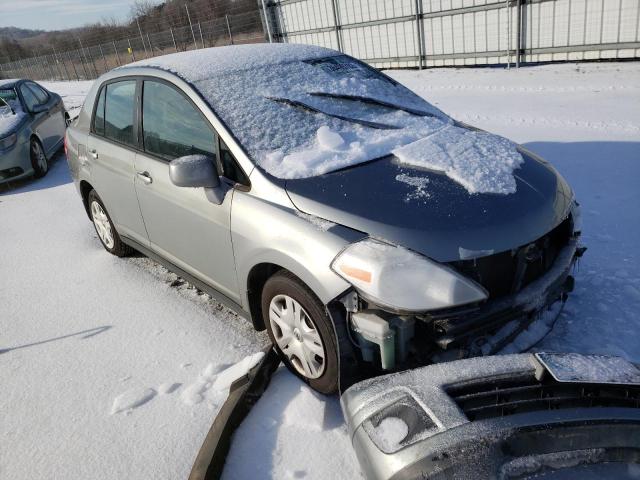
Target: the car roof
(9, 82)
(196, 65)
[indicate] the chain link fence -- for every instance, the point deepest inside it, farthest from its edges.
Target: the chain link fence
(425, 33)
(91, 61)
(384, 33)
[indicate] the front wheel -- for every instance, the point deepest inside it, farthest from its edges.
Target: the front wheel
(39, 160)
(301, 331)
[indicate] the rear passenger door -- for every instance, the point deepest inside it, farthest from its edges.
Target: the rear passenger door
(111, 151)
(184, 226)
(55, 122)
(42, 124)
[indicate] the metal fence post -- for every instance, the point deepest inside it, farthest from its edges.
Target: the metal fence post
(201, 37)
(175, 45)
(195, 44)
(73, 65)
(133, 55)
(267, 21)
(150, 46)
(508, 34)
(226, 17)
(115, 49)
(419, 35)
(141, 37)
(106, 65)
(336, 23)
(519, 32)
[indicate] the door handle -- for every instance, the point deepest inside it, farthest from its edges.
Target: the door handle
(94, 154)
(145, 177)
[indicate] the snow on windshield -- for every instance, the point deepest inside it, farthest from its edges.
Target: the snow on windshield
(300, 112)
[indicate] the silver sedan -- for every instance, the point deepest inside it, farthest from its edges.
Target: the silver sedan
(32, 125)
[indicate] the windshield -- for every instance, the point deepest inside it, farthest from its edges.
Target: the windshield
(304, 118)
(9, 98)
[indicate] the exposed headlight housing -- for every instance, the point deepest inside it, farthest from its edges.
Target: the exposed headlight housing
(8, 142)
(402, 281)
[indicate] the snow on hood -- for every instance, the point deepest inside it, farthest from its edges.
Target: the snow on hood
(8, 120)
(479, 161)
(302, 111)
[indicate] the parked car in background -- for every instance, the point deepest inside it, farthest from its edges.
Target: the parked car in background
(32, 125)
(361, 226)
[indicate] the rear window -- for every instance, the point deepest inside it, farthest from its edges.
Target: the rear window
(119, 110)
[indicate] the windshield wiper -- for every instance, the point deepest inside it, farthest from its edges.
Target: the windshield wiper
(305, 106)
(375, 101)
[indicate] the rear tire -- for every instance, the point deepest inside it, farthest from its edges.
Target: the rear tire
(301, 331)
(104, 227)
(39, 160)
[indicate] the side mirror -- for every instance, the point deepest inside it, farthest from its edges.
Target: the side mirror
(194, 171)
(39, 108)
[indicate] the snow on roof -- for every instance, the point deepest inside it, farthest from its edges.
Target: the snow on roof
(8, 82)
(201, 64)
(301, 111)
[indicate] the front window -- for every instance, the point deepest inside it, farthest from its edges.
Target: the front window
(30, 99)
(172, 126)
(39, 92)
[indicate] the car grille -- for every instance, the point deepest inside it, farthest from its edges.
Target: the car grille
(508, 272)
(502, 397)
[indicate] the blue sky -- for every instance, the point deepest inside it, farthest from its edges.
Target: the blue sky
(59, 14)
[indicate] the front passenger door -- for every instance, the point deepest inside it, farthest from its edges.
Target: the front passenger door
(183, 225)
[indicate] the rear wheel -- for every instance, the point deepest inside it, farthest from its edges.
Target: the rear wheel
(301, 331)
(39, 160)
(104, 227)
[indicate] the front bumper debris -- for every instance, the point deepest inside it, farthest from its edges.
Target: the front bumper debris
(489, 418)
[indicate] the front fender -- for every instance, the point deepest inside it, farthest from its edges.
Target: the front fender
(264, 232)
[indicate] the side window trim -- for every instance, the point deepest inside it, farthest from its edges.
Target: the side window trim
(101, 92)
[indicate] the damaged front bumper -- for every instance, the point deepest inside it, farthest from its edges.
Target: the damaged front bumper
(393, 341)
(501, 417)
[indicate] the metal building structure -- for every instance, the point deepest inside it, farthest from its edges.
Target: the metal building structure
(427, 33)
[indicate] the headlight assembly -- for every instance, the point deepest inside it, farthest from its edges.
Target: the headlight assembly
(8, 142)
(403, 281)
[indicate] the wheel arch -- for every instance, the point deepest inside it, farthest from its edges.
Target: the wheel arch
(85, 188)
(261, 272)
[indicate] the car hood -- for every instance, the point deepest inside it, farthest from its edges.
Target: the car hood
(429, 213)
(10, 122)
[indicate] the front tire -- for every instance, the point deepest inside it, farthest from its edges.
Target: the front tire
(39, 160)
(301, 331)
(104, 227)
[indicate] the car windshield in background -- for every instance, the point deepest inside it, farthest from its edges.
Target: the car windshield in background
(307, 117)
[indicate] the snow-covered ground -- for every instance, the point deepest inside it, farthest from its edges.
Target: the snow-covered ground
(107, 365)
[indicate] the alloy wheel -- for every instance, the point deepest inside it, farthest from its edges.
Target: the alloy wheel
(41, 159)
(297, 336)
(102, 224)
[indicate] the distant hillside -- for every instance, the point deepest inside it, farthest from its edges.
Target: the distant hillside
(14, 33)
